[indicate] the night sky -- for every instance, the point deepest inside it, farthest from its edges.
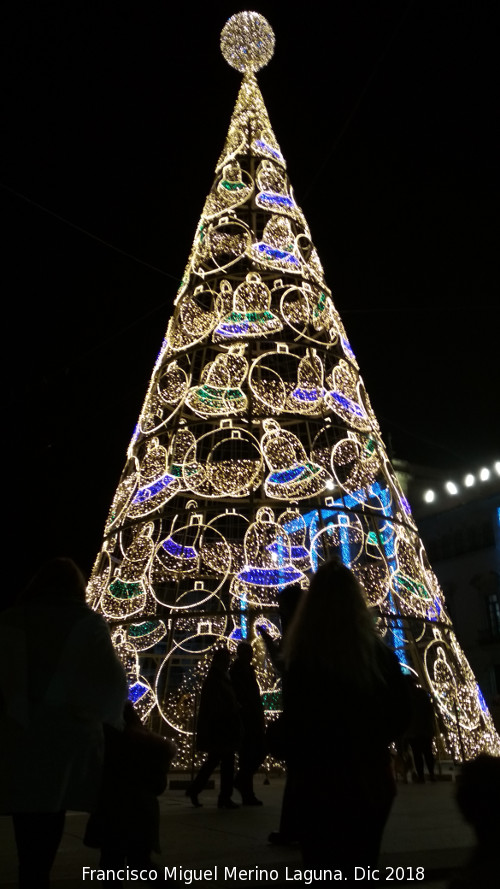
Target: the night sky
(116, 116)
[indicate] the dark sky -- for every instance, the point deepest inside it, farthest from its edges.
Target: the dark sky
(116, 115)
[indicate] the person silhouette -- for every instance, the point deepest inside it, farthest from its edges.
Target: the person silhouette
(218, 731)
(125, 825)
(478, 794)
(344, 702)
(421, 730)
(251, 747)
(66, 683)
(289, 599)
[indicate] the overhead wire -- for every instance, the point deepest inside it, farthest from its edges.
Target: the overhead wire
(321, 166)
(85, 231)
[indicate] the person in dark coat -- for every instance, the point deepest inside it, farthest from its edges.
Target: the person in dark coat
(60, 680)
(478, 793)
(125, 825)
(251, 747)
(290, 597)
(218, 731)
(287, 605)
(345, 701)
(421, 730)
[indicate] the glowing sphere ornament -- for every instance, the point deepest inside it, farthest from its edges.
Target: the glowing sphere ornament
(247, 41)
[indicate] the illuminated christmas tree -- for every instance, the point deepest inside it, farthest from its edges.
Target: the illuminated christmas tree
(257, 456)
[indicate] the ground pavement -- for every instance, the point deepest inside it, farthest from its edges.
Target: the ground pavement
(425, 830)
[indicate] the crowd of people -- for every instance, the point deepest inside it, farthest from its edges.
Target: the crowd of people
(68, 734)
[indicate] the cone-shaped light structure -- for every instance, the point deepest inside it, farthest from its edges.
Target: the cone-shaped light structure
(257, 456)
